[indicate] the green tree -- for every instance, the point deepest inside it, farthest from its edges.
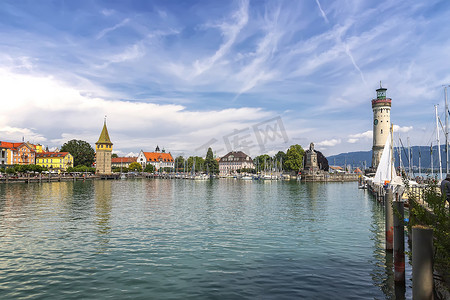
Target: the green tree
(135, 166)
(149, 168)
(280, 159)
(294, 158)
(179, 163)
(114, 155)
(199, 163)
(120, 170)
(211, 165)
(262, 162)
(82, 152)
(11, 170)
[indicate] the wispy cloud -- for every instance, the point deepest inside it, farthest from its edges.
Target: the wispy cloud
(186, 62)
(229, 31)
(105, 31)
(324, 16)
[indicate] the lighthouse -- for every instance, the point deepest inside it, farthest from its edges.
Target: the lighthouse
(381, 107)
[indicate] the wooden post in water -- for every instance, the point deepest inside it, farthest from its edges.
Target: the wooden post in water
(389, 219)
(422, 263)
(399, 242)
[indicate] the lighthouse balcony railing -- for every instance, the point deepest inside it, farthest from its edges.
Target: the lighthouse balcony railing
(386, 100)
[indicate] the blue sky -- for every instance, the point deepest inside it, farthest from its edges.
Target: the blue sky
(256, 76)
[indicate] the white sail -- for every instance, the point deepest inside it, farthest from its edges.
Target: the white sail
(385, 170)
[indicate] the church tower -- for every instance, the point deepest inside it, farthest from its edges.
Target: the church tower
(381, 107)
(103, 150)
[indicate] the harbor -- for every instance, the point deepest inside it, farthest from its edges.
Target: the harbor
(214, 238)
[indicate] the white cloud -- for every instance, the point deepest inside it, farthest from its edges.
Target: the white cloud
(402, 129)
(54, 113)
(15, 134)
(353, 138)
(328, 143)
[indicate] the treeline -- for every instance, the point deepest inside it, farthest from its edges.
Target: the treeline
(292, 160)
(15, 169)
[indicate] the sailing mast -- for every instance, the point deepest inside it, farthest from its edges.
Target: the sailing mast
(439, 143)
(392, 151)
(409, 159)
(431, 154)
(446, 127)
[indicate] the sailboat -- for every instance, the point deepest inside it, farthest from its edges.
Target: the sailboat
(385, 170)
(386, 174)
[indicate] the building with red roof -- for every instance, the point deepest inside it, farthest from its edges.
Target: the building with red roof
(158, 159)
(17, 153)
(124, 162)
(57, 161)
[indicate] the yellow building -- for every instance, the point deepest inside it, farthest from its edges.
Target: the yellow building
(54, 161)
(103, 151)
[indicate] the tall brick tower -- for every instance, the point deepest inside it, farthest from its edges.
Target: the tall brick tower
(103, 150)
(381, 107)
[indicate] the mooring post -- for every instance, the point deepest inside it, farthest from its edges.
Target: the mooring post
(422, 263)
(399, 242)
(389, 219)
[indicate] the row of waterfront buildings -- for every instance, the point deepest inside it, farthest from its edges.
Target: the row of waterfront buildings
(26, 153)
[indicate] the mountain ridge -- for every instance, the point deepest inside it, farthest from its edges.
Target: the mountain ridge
(364, 158)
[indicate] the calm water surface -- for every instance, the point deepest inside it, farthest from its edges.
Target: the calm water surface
(184, 239)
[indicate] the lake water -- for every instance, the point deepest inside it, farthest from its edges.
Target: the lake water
(185, 239)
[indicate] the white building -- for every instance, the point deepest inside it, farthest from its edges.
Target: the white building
(234, 161)
(157, 159)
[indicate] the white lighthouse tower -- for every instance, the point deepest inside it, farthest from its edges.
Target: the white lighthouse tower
(381, 107)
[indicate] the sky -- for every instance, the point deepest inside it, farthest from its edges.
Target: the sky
(255, 76)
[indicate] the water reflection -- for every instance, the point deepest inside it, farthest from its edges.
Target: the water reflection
(103, 206)
(383, 272)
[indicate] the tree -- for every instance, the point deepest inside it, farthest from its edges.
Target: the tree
(135, 166)
(280, 159)
(179, 163)
(114, 155)
(262, 162)
(82, 152)
(149, 168)
(211, 165)
(11, 170)
(294, 158)
(199, 163)
(120, 170)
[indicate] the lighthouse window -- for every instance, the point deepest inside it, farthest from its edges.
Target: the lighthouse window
(381, 131)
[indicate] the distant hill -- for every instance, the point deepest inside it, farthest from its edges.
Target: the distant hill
(359, 158)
